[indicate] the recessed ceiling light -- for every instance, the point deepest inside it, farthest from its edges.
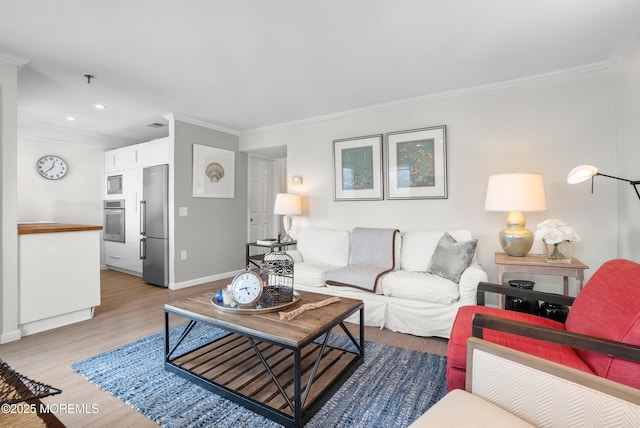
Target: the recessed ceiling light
(71, 118)
(99, 106)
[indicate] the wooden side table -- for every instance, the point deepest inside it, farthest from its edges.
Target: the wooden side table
(536, 265)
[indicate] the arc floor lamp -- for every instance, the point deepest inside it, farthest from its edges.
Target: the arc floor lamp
(584, 172)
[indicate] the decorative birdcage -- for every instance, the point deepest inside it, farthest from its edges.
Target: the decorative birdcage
(277, 275)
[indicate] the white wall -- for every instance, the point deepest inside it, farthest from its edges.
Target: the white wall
(76, 198)
(547, 127)
(628, 114)
(8, 188)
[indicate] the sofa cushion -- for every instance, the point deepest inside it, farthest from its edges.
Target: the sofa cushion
(451, 257)
(312, 274)
(418, 247)
(464, 409)
(324, 246)
(420, 286)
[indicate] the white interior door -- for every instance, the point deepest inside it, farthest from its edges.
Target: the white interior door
(261, 197)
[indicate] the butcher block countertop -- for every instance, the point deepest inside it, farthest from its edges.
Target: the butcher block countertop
(25, 229)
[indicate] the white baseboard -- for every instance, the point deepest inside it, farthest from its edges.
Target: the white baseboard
(10, 336)
(198, 281)
(127, 271)
(56, 321)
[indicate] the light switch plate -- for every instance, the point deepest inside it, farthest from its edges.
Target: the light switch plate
(183, 211)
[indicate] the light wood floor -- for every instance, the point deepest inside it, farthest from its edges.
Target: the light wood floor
(130, 310)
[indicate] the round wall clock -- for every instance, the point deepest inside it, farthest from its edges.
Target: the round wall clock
(246, 288)
(51, 167)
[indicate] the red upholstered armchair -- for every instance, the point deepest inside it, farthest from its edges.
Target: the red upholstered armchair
(605, 313)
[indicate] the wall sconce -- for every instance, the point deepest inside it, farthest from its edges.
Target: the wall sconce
(515, 193)
(287, 205)
(297, 179)
(584, 172)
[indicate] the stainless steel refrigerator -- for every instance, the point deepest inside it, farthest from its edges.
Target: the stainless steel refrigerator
(154, 225)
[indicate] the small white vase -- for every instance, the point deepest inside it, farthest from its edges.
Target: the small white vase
(558, 253)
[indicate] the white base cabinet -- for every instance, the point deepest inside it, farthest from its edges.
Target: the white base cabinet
(124, 256)
(59, 279)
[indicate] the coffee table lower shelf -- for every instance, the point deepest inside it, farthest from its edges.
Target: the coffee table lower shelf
(268, 378)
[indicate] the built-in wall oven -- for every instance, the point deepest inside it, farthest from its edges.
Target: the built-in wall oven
(114, 220)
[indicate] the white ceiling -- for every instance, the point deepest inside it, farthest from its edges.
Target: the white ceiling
(249, 64)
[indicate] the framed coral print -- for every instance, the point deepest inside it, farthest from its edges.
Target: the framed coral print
(357, 168)
(417, 164)
(213, 172)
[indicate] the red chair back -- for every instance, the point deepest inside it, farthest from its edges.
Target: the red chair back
(609, 307)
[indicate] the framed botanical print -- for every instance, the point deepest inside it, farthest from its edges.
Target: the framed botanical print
(416, 163)
(213, 172)
(357, 168)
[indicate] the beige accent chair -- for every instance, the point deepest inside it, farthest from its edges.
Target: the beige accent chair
(508, 388)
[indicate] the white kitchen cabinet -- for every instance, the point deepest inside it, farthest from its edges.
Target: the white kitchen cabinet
(123, 256)
(126, 255)
(130, 157)
(142, 155)
(158, 152)
(59, 275)
(129, 162)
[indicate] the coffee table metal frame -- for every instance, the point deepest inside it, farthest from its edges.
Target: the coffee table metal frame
(300, 414)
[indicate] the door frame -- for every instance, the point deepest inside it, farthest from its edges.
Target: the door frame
(279, 171)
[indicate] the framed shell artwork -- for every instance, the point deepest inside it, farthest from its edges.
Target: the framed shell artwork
(213, 172)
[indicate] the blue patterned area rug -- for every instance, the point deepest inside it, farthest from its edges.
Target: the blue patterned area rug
(391, 389)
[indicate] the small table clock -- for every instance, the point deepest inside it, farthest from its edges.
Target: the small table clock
(246, 288)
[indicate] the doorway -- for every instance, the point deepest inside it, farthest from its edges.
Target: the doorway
(266, 178)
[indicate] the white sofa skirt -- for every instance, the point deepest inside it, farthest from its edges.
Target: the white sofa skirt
(397, 314)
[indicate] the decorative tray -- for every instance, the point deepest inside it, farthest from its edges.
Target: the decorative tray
(258, 309)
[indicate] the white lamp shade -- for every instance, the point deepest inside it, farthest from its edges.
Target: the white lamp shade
(287, 204)
(515, 192)
(581, 173)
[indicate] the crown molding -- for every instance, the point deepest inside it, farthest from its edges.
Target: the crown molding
(59, 134)
(441, 95)
(625, 45)
(173, 116)
(12, 59)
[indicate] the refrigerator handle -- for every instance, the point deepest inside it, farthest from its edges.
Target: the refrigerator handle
(143, 248)
(143, 217)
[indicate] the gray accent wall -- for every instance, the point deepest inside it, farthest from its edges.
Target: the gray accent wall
(214, 232)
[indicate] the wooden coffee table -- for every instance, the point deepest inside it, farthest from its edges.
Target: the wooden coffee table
(283, 370)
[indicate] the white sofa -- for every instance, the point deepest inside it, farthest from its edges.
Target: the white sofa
(408, 299)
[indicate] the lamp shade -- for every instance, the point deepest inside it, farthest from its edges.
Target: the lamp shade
(287, 204)
(515, 192)
(581, 173)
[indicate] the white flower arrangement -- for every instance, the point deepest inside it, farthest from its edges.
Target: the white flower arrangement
(554, 231)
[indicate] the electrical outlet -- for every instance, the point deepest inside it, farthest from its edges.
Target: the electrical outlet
(183, 211)
(183, 255)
